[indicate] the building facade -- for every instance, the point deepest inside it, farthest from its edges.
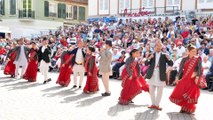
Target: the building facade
(117, 7)
(37, 16)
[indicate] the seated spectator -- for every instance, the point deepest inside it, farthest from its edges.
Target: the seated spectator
(175, 68)
(64, 42)
(119, 63)
(142, 64)
(206, 64)
(200, 53)
(115, 57)
(180, 49)
(55, 58)
(209, 78)
(211, 55)
(3, 53)
(205, 50)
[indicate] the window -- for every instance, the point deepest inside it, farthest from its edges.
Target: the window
(52, 9)
(124, 4)
(81, 13)
(69, 12)
(104, 5)
(61, 10)
(201, 1)
(148, 3)
(209, 1)
(27, 8)
(173, 5)
(46, 8)
(75, 12)
(2, 7)
(12, 7)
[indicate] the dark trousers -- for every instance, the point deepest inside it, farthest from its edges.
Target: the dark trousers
(209, 80)
(173, 75)
(116, 68)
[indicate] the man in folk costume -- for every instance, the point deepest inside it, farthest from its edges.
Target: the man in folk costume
(21, 58)
(78, 62)
(105, 66)
(44, 59)
(156, 74)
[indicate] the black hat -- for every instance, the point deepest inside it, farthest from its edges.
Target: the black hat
(108, 42)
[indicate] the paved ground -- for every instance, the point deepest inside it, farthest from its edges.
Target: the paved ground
(20, 100)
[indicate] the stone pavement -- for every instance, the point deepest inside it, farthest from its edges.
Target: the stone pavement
(20, 100)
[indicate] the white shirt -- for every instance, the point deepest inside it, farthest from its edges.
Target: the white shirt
(157, 58)
(177, 64)
(22, 61)
(43, 49)
(206, 64)
(79, 56)
(180, 51)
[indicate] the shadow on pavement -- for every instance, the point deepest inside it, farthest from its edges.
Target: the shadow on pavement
(7, 80)
(147, 115)
(3, 78)
(114, 110)
(75, 98)
(62, 93)
(16, 84)
(25, 86)
(52, 88)
(180, 116)
(89, 101)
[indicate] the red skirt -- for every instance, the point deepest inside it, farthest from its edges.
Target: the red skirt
(64, 76)
(186, 94)
(10, 68)
(131, 88)
(31, 71)
(92, 82)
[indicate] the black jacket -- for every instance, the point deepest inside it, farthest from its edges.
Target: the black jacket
(74, 52)
(162, 67)
(46, 55)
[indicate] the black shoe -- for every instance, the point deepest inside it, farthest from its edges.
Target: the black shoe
(131, 101)
(74, 86)
(48, 80)
(211, 90)
(79, 87)
(45, 82)
(106, 94)
(205, 88)
(12, 76)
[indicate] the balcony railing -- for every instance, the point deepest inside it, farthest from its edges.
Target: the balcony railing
(26, 14)
(171, 10)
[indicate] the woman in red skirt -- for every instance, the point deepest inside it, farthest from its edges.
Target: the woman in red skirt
(65, 69)
(132, 82)
(32, 68)
(91, 68)
(187, 92)
(10, 66)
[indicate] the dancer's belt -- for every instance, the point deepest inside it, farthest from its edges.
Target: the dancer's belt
(78, 63)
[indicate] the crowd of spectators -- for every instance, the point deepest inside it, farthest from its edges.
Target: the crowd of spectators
(127, 34)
